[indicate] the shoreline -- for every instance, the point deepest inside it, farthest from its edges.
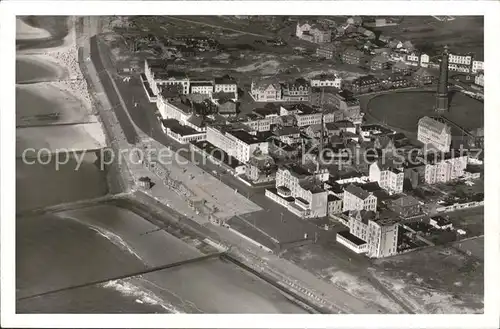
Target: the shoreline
(24, 31)
(44, 62)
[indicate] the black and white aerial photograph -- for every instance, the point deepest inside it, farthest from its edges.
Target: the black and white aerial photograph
(249, 164)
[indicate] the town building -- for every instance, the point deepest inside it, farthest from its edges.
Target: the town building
(334, 204)
(227, 107)
(412, 59)
(401, 68)
(355, 198)
(305, 115)
(181, 133)
(288, 135)
(352, 242)
(479, 79)
(406, 206)
(477, 66)
(261, 168)
(299, 190)
(397, 81)
(159, 74)
(379, 230)
(424, 60)
(327, 51)
(387, 175)
(256, 123)
(296, 91)
(363, 84)
(266, 91)
(434, 132)
(379, 62)
(355, 20)
(226, 84)
(271, 112)
(281, 150)
(459, 59)
(313, 33)
(441, 223)
(327, 80)
(202, 87)
(173, 108)
(383, 235)
(423, 76)
(353, 56)
(237, 143)
(441, 168)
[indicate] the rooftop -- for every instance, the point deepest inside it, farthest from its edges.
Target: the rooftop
(296, 170)
(354, 239)
(434, 125)
(302, 108)
(246, 137)
(171, 75)
(405, 201)
(177, 128)
(265, 111)
(357, 191)
(225, 80)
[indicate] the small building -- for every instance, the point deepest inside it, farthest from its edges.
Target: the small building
(406, 206)
(479, 79)
(297, 90)
(227, 107)
(379, 62)
(281, 150)
(353, 56)
(424, 76)
(334, 204)
(346, 126)
(397, 81)
(144, 182)
(364, 84)
(352, 242)
(441, 223)
(261, 169)
(401, 68)
(326, 51)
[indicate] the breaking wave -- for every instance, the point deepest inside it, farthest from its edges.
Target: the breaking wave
(116, 240)
(141, 295)
(108, 235)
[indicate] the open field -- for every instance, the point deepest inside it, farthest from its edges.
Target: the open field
(243, 54)
(403, 109)
(341, 267)
(470, 220)
(464, 34)
(474, 245)
(435, 280)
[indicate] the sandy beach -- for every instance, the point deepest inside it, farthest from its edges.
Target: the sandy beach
(38, 68)
(27, 32)
(88, 136)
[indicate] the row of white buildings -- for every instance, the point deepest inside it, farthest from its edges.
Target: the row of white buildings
(158, 74)
(271, 90)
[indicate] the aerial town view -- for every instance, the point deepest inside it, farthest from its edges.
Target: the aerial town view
(250, 164)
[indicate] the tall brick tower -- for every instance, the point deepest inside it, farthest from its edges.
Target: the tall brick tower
(442, 90)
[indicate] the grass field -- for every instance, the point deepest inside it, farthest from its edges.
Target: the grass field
(475, 246)
(404, 109)
(471, 220)
(464, 34)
